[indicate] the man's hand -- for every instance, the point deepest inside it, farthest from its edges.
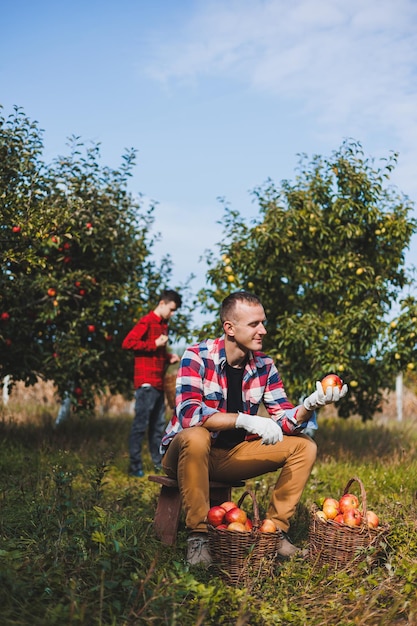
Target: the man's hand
(161, 341)
(318, 398)
(173, 358)
(265, 427)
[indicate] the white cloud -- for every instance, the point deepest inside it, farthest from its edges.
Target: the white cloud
(350, 65)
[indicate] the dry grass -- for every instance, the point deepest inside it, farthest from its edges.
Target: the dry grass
(43, 395)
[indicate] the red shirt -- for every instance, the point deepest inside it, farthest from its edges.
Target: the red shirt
(150, 361)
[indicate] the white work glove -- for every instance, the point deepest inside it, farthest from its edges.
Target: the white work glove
(265, 427)
(318, 398)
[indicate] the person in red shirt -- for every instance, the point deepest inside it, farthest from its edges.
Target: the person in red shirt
(148, 339)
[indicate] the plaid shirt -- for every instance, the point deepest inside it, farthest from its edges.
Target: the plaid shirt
(150, 361)
(202, 390)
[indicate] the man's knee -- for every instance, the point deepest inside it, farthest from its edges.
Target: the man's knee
(196, 439)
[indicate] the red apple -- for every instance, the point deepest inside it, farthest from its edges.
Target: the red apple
(16, 229)
(228, 505)
(78, 391)
(237, 526)
(331, 380)
(221, 527)
(67, 259)
(67, 245)
(330, 508)
(5, 316)
(348, 501)
(89, 225)
(215, 516)
(339, 518)
(82, 292)
(51, 292)
(372, 519)
(267, 526)
(352, 517)
(91, 328)
(248, 524)
(236, 515)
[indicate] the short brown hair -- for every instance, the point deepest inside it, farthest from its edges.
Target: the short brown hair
(169, 295)
(229, 303)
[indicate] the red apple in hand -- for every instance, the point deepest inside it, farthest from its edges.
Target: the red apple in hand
(352, 517)
(330, 507)
(215, 515)
(331, 380)
(236, 515)
(348, 501)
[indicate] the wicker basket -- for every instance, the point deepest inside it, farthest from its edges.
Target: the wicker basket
(339, 545)
(239, 557)
(169, 389)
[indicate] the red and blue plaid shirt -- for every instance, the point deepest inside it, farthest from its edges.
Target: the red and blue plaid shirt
(150, 361)
(201, 389)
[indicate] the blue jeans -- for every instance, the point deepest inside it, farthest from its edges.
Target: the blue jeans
(149, 416)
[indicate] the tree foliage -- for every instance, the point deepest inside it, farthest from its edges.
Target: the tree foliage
(76, 269)
(326, 256)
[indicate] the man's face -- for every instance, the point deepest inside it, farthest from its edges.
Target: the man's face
(246, 326)
(166, 309)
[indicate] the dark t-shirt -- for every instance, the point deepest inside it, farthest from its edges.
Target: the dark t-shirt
(230, 438)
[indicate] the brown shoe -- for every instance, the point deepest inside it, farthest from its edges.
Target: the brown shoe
(288, 550)
(198, 552)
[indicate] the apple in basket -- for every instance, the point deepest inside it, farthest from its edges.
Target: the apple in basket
(215, 516)
(237, 526)
(228, 505)
(267, 526)
(372, 519)
(348, 501)
(352, 517)
(321, 515)
(330, 507)
(339, 518)
(236, 515)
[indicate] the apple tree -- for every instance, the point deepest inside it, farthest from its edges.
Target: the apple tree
(76, 269)
(326, 256)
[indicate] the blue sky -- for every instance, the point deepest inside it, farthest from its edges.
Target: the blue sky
(216, 96)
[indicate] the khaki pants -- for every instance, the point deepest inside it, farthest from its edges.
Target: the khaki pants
(192, 461)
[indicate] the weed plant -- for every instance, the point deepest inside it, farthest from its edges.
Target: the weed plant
(78, 548)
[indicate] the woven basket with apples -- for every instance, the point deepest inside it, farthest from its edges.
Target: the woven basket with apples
(344, 531)
(241, 545)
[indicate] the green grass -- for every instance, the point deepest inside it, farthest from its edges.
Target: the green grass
(77, 544)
